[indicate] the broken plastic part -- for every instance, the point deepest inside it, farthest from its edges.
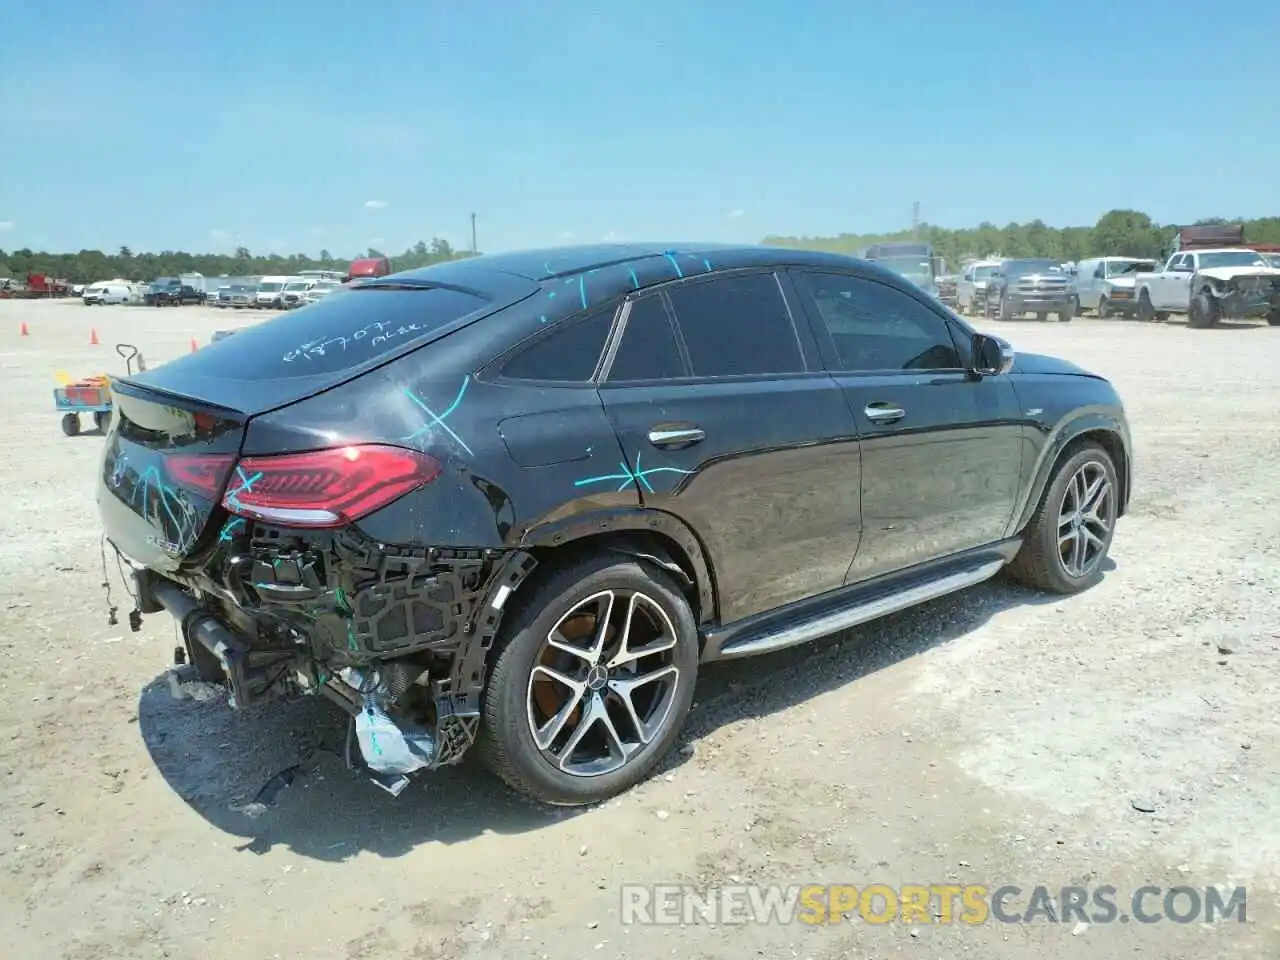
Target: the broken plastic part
(388, 747)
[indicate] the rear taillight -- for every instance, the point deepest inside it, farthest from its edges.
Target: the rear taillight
(325, 488)
(202, 472)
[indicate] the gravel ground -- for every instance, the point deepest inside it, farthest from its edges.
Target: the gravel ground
(1123, 737)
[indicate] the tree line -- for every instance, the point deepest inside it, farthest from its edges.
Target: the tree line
(90, 266)
(1117, 233)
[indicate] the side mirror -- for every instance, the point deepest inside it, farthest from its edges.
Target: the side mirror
(1100, 273)
(991, 355)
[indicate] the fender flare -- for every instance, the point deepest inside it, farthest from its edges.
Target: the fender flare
(637, 520)
(1086, 420)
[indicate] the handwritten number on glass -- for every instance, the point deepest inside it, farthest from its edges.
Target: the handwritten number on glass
(376, 333)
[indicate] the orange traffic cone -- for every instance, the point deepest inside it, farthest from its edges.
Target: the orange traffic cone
(194, 347)
(93, 336)
(24, 331)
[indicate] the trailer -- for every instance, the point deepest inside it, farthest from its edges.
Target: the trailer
(92, 395)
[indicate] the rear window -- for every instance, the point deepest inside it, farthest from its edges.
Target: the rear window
(333, 334)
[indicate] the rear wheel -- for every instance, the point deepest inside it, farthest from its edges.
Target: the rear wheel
(1102, 308)
(1146, 312)
(1273, 318)
(71, 424)
(1070, 534)
(593, 682)
(102, 420)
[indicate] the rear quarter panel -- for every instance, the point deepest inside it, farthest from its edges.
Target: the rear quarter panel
(510, 452)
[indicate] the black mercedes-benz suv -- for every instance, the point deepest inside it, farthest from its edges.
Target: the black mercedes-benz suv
(515, 501)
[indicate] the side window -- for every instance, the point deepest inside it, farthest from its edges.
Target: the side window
(875, 327)
(648, 350)
(569, 353)
(737, 325)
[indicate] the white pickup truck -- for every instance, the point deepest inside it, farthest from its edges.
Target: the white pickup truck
(1210, 285)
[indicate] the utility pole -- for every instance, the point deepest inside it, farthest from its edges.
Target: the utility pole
(915, 220)
(473, 234)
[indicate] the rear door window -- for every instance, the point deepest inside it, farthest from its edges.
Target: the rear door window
(737, 325)
(648, 350)
(568, 353)
(334, 334)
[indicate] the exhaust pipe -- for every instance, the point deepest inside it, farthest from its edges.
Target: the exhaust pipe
(202, 627)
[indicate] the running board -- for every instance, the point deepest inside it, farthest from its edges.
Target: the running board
(846, 617)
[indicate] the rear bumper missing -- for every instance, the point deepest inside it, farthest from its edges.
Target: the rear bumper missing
(413, 692)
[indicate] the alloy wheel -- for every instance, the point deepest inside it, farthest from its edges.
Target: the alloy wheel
(603, 683)
(1085, 519)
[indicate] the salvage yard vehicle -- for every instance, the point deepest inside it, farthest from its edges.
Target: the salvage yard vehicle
(294, 293)
(322, 289)
(971, 289)
(1029, 285)
(1105, 285)
(1209, 286)
(515, 501)
(270, 291)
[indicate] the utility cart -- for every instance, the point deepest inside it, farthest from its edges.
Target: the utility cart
(92, 395)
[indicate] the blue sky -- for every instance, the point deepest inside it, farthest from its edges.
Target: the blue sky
(182, 124)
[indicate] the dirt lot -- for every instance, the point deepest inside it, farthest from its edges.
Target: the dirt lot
(992, 737)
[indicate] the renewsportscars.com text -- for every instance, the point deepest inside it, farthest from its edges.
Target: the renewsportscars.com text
(971, 904)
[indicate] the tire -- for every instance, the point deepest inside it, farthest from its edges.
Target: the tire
(1002, 309)
(1040, 562)
(1102, 308)
(1146, 312)
(507, 744)
(1072, 311)
(71, 424)
(102, 420)
(1273, 318)
(1042, 317)
(1203, 312)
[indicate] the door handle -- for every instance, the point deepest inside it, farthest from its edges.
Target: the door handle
(675, 434)
(883, 412)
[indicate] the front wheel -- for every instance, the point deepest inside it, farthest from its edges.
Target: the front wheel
(593, 682)
(1202, 312)
(1273, 318)
(1146, 311)
(1068, 538)
(1072, 311)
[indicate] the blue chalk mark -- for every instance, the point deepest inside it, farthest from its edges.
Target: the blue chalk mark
(582, 289)
(438, 420)
(630, 476)
(551, 294)
(150, 478)
(229, 529)
(543, 318)
(706, 263)
(672, 258)
(246, 486)
(635, 281)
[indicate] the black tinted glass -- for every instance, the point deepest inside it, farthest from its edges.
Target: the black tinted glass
(331, 335)
(875, 327)
(648, 350)
(569, 353)
(737, 325)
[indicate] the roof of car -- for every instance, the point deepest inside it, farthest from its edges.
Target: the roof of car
(565, 280)
(554, 262)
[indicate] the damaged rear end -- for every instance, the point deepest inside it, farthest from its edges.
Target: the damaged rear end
(260, 556)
